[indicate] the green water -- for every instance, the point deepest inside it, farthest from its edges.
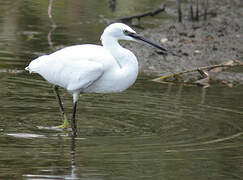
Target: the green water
(151, 131)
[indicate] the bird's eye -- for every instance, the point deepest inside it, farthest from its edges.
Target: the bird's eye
(126, 32)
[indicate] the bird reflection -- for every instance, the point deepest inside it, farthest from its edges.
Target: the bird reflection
(169, 89)
(73, 164)
(77, 171)
(180, 89)
(203, 95)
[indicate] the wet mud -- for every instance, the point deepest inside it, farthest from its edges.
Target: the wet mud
(198, 43)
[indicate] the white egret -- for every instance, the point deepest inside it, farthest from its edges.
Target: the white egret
(88, 68)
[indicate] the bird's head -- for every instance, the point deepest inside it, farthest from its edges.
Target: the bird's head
(120, 31)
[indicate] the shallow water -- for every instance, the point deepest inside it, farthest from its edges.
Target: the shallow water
(151, 131)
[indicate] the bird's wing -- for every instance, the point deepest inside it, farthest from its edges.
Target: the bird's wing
(69, 74)
(82, 74)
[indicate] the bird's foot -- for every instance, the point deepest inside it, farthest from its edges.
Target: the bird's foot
(65, 124)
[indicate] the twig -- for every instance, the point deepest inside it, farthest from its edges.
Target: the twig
(236, 63)
(138, 16)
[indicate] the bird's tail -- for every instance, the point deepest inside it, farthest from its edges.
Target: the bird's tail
(28, 69)
(36, 65)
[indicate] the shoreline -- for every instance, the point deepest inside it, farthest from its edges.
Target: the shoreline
(215, 41)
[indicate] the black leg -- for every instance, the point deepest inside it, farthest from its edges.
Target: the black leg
(59, 100)
(73, 123)
(65, 123)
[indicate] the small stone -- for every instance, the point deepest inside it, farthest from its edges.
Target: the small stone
(238, 35)
(197, 52)
(191, 36)
(163, 40)
(215, 48)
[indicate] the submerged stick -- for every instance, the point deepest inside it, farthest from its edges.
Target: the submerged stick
(53, 24)
(112, 5)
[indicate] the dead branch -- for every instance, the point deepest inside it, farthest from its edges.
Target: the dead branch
(138, 16)
(178, 2)
(200, 69)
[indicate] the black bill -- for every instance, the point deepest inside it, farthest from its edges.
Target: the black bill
(135, 36)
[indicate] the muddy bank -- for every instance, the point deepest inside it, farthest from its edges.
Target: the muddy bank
(203, 43)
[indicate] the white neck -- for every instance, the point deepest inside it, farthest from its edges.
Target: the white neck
(123, 56)
(126, 60)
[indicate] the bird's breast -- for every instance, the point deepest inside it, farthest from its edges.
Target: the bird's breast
(114, 80)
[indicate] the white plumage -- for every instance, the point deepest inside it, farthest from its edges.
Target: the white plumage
(92, 68)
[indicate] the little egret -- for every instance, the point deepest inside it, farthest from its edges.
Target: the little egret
(88, 68)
